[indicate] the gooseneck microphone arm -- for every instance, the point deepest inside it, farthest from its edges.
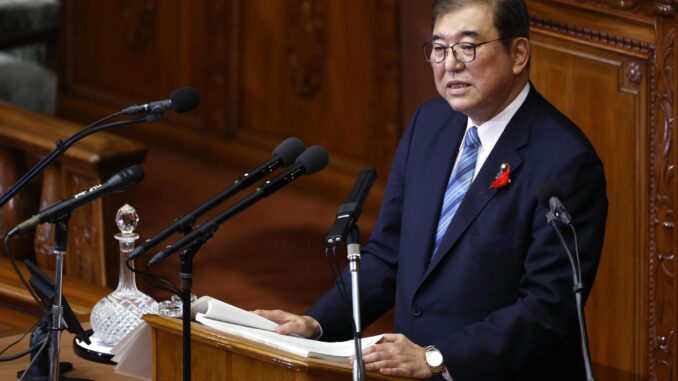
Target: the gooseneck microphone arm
(205, 231)
(61, 147)
(312, 160)
(578, 287)
(283, 155)
(182, 100)
(549, 196)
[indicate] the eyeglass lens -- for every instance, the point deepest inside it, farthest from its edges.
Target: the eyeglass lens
(462, 51)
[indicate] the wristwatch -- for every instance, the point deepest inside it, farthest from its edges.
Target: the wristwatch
(434, 360)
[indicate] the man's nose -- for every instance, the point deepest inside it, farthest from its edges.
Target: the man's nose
(451, 63)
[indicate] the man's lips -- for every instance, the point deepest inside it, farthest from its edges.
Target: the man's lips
(457, 85)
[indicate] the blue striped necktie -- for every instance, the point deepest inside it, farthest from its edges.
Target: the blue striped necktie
(460, 181)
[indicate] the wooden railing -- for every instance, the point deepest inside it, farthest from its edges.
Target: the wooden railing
(25, 137)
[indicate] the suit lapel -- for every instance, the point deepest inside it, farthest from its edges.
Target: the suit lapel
(479, 194)
(440, 154)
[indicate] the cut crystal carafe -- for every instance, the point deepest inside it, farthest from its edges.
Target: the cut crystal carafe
(120, 312)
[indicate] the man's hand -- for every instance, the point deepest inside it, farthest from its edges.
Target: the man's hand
(291, 324)
(396, 355)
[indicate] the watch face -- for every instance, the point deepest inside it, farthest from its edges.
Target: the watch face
(434, 358)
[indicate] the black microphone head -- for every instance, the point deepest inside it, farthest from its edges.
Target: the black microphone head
(313, 160)
(125, 178)
(546, 191)
(184, 99)
(289, 150)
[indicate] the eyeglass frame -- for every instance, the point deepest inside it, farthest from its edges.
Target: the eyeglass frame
(474, 45)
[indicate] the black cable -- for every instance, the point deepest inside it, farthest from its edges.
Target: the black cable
(104, 119)
(22, 353)
(171, 288)
(37, 355)
(578, 288)
(23, 280)
(339, 282)
(576, 250)
(17, 341)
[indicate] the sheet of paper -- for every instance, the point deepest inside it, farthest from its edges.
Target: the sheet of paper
(215, 309)
(134, 355)
(337, 351)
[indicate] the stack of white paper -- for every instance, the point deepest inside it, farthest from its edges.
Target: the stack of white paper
(133, 353)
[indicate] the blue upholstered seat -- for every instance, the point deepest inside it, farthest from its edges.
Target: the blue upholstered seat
(25, 27)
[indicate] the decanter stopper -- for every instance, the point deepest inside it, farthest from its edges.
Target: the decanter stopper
(127, 220)
(120, 312)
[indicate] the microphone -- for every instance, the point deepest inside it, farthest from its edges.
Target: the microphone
(283, 156)
(118, 182)
(549, 196)
(349, 212)
(312, 160)
(181, 100)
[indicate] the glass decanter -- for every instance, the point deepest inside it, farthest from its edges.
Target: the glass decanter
(120, 312)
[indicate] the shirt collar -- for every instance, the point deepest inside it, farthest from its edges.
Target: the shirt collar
(490, 131)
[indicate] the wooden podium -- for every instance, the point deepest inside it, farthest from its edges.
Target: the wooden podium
(219, 356)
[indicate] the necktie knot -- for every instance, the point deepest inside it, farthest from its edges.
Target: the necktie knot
(472, 138)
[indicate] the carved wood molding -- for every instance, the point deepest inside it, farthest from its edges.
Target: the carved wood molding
(618, 4)
(662, 285)
(664, 7)
(662, 256)
(591, 35)
(306, 45)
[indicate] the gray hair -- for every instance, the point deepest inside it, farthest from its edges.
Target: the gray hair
(510, 17)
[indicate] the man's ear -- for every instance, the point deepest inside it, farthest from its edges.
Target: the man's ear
(520, 50)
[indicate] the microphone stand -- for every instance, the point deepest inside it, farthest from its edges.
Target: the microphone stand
(186, 276)
(60, 244)
(578, 287)
(353, 255)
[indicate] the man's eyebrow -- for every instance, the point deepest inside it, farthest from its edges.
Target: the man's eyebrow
(465, 33)
(470, 33)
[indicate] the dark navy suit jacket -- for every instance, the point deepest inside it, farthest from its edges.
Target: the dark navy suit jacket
(497, 300)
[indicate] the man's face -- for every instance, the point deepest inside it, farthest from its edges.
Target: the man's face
(481, 88)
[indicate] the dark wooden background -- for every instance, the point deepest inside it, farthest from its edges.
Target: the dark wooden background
(348, 74)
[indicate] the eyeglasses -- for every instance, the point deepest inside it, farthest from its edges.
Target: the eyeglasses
(463, 52)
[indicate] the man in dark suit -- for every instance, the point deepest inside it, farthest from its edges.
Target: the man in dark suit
(462, 249)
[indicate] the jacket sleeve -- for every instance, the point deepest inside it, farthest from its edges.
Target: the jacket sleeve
(379, 260)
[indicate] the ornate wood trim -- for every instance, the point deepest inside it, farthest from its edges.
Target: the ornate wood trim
(662, 255)
(591, 35)
(662, 285)
(661, 7)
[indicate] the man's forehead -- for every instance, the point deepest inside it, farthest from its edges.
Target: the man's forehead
(472, 21)
(461, 34)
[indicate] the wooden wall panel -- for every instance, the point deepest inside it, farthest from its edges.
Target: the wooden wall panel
(609, 65)
(324, 71)
(617, 132)
(329, 72)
